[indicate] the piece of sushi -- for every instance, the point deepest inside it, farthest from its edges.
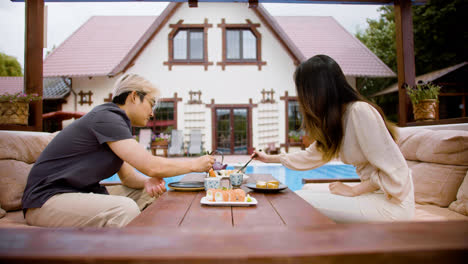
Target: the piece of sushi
(232, 196)
(210, 194)
(218, 196)
(225, 196)
(240, 195)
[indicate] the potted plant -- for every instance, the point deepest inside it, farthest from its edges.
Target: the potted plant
(14, 108)
(160, 139)
(424, 97)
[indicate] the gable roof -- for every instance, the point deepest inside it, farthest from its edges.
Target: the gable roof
(315, 35)
(97, 47)
(54, 88)
(112, 43)
(427, 77)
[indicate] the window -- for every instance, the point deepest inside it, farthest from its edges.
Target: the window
(294, 122)
(165, 115)
(242, 44)
(85, 97)
(188, 45)
(165, 111)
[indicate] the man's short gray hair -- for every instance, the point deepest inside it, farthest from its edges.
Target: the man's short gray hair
(134, 82)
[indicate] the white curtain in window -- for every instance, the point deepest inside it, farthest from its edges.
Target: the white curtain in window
(196, 45)
(233, 44)
(180, 45)
(249, 45)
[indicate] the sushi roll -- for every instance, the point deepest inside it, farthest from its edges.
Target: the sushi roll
(240, 195)
(218, 197)
(225, 196)
(232, 196)
(210, 194)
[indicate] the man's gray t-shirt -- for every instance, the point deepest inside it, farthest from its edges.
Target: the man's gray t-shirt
(78, 158)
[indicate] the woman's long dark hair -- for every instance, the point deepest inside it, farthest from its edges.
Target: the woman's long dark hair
(323, 93)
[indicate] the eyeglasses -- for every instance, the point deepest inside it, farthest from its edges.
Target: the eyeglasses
(152, 104)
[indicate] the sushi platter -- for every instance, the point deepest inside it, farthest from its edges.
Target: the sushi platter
(204, 200)
(228, 197)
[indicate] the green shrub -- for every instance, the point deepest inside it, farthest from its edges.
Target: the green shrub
(423, 91)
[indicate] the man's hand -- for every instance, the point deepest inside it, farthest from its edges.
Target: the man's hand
(155, 186)
(202, 164)
(340, 188)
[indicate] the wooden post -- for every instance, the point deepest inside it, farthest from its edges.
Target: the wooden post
(34, 43)
(405, 55)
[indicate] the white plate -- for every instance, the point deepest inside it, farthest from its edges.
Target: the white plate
(204, 200)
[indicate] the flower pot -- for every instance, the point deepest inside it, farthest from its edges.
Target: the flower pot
(14, 113)
(425, 110)
(159, 143)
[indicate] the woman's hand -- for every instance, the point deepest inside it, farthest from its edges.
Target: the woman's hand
(258, 155)
(203, 163)
(155, 186)
(340, 188)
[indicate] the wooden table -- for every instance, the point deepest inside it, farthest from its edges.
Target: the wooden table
(183, 209)
(282, 228)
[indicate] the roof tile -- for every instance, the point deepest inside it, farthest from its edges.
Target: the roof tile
(97, 46)
(324, 35)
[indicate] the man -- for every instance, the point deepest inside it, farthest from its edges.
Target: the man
(63, 186)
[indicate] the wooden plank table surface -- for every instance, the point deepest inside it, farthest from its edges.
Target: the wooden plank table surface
(282, 228)
(183, 209)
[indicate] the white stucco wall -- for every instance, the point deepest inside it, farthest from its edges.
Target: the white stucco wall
(101, 86)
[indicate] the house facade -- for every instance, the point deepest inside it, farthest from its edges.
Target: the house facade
(223, 68)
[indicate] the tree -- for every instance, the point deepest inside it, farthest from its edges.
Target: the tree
(440, 40)
(9, 66)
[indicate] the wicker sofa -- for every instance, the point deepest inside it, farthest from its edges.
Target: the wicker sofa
(438, 159)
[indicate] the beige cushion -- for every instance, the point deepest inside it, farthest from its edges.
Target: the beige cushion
(437, 146)
(23, 146)
(461, 204)
(2, 212)
(14, 220)
(13, 177)
(429, 212)
(436, 183)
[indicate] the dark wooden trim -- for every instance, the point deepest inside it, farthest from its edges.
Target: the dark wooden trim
(158, 24)
(252, 27)
(193, 3)
(33, 68)
(188, 62)
(249, 107)
(286, 99)
(405, 57)
(279, 34)
(304, 181)
(458, 120)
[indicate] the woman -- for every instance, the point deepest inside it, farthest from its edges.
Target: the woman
(346, 126)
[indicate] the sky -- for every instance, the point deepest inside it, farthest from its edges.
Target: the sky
(64, 18)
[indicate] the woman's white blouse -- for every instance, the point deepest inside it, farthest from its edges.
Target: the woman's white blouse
(368, 146)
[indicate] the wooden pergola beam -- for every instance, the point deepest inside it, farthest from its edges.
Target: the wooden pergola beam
(34, 43)
(405, 55)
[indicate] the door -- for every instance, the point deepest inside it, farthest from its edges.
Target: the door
(232, 126)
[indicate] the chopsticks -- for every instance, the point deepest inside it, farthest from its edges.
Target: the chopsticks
(243, 167)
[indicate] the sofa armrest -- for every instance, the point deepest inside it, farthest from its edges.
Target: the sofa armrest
(304, 181)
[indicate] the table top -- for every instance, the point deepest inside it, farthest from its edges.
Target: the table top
(176, 209)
